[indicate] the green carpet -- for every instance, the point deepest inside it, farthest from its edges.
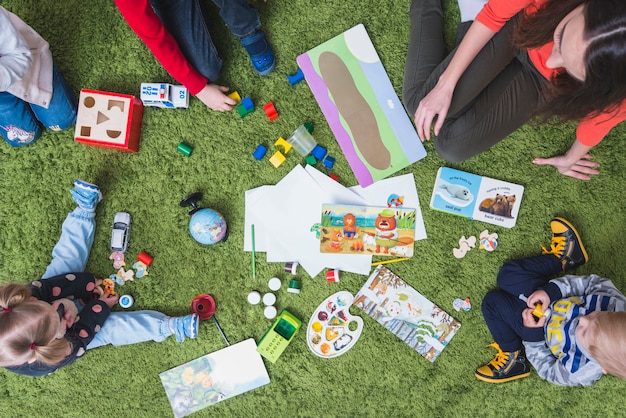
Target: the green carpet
(379, 376)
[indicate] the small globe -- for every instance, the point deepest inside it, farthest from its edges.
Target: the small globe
(207, 226)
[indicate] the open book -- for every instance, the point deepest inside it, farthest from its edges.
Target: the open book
(476, 197)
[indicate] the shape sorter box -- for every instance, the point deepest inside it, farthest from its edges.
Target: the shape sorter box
(110, 120)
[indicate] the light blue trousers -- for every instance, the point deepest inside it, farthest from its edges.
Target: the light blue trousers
(70, 254)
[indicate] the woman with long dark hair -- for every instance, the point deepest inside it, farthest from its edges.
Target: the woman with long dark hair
(561, 59)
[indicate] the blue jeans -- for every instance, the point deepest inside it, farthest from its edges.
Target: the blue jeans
(187, 21)
(70, 254)
(502, 308)
(22, 122)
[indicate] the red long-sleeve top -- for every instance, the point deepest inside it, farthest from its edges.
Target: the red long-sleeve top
(146, 24)
(496, 13)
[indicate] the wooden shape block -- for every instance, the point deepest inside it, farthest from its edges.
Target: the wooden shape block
(110, 120)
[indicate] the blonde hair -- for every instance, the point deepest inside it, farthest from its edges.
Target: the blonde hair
(608, 344)
(28, 329)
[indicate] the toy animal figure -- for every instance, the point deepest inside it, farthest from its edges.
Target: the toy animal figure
(118, 259)
(335, 237)
(349, 226)
(455, 190)
(122, 276)
(109, 286)
(465, 244)
(488, 241)
(395, 201)
(141, 269)
(386, 231)
(501, 205)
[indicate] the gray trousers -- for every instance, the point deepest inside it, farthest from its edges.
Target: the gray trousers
(498, 93)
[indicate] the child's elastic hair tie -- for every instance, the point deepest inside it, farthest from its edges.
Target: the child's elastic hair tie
(6, 310)
(32, 346)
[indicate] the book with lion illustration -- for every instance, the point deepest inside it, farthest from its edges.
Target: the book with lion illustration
(415, 320)
(384, 231)
(477, 197)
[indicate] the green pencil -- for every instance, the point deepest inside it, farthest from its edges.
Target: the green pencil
(253, 255)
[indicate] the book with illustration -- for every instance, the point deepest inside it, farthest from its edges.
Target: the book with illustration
(477, 197)
(214, 377)
(384, 231)
(414, 319)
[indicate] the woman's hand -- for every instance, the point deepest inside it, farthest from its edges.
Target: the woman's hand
(215, 97)
(435, 104)
(580, 169)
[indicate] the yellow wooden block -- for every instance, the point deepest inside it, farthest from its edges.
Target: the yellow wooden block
(235, 96)
(280, 142)
(277, 159)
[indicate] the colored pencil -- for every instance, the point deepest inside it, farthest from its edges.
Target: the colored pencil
(393, 260)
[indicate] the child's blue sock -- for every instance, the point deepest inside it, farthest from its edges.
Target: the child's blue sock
(86, 195)
(185, 326)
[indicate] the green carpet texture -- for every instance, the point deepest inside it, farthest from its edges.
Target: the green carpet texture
(380, 376)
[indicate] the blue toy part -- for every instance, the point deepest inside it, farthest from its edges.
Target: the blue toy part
(295, 78)
(329, 162)
(260, 152)
(319, 152)
(247, 104)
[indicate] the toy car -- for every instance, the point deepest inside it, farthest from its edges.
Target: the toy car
(121, 232)
(164, 95)
(278, 337)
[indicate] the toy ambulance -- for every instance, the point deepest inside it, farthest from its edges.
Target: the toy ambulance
(164, 95)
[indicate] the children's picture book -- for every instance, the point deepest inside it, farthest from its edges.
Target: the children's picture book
(350, 229)
(477, 197)
(214, 377)
(361, 106)
(415, 320)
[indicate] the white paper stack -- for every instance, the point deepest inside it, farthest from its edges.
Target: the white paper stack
(283, 216)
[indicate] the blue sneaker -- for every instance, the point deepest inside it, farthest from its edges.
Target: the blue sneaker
(185, 326)
(260, 51)
(86, 195)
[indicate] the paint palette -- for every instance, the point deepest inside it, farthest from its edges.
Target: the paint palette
(332, 330)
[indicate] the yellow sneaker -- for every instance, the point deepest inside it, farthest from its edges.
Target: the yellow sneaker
(504, 367)
(566, 244)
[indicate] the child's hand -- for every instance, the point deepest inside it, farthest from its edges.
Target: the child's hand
(214, 97)
(530, 321)
(109, 299)
(538, 296)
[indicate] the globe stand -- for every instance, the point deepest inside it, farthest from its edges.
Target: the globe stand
(192, 200)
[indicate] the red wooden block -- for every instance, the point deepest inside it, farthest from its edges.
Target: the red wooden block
(270, 111)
